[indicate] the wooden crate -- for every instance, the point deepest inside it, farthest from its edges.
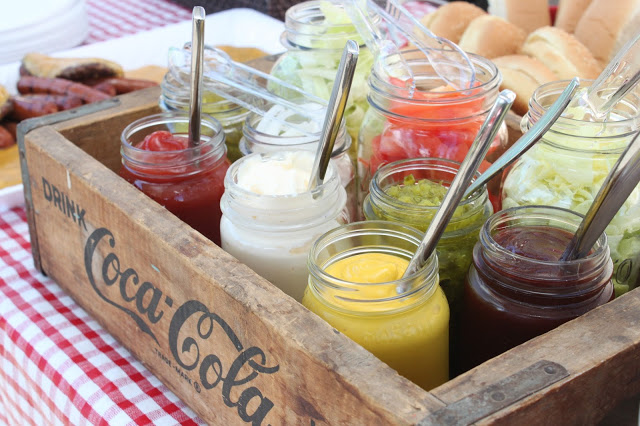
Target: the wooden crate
(234, 347)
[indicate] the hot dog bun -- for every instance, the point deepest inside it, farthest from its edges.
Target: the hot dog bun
(522, 74)
(526, 14)
(451, 20)
(491, 36)
(569, 13)
(605, 26)
(562, 53)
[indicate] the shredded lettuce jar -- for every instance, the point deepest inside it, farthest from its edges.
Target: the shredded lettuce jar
(315, 35)
(410, 192)
(567, 167)
(175, 97)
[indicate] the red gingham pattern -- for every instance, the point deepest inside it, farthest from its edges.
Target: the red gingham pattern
(116, 18)
(57, 364)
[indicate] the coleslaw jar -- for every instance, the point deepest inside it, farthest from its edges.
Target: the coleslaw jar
(176, 97)
(315, 35)
(403, 322)
(567, 167)
(434, 121)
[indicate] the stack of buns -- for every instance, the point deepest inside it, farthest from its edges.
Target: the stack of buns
(518, 36)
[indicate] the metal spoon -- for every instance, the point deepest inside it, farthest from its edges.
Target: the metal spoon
(527, 140)
(197, 53)
(621, 180)
(335, 112)
(467, 169)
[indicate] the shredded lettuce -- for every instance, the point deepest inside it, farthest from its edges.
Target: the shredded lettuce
(314, 70)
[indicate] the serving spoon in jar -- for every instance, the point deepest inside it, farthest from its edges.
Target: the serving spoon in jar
(619, 183)
(529, 139)
(335, 112)
(467, 169)
(195, 101)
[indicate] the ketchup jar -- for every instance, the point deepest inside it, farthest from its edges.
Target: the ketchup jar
(434, 121)
(568, 166)
(187, 181)
(517, 288)
(356, 285)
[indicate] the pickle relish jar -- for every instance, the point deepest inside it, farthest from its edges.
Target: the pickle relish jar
(315, 35)
(188, 182)
(433, 120)
(567, 167)
(175, 96)
(271, 232)
(455, 247)
(517, 288)
(404, 322)
(255, 140)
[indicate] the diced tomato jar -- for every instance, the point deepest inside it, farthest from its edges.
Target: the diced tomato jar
(433, 121)
(517, 288)
(188, 181)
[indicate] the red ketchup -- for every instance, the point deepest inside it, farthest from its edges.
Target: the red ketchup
(187, 181)
(517, 288)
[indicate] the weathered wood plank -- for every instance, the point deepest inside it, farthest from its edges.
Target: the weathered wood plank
(600, 350)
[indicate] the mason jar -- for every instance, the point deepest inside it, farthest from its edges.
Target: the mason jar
(188, 181)
(399, 193)
(517, 288)
(567, 167)
(271, 228)
(432, 121)
(255, 140)
(175, 96)
(315, 35)
(402, 321)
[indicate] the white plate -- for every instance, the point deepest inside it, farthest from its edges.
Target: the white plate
(235, 27)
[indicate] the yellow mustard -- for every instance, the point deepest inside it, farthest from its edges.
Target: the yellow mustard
(408, 331)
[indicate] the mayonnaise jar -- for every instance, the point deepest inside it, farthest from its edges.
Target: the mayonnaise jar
(270, 219)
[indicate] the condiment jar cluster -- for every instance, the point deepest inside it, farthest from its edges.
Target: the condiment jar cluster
(341, 248)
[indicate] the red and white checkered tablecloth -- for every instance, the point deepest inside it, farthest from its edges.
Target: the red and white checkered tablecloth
(57, 364)
(116, 18)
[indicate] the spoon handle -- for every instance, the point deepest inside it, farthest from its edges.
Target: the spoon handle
(197, 49)
(335, 112)
(529, 139)
(467, 169)
(621, 180)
